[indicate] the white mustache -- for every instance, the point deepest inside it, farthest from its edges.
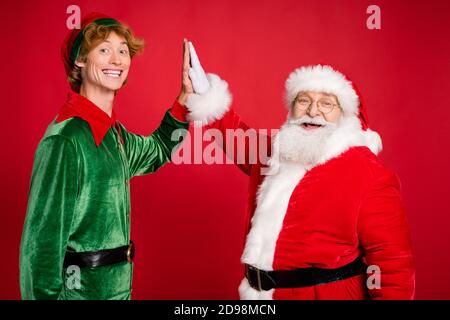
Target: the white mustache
(308, 119)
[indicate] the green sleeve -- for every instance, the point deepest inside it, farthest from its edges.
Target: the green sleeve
(148, 154)
(51, 204)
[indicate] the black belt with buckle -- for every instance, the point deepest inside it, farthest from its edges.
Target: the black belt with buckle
(100, 258)
(303, 277)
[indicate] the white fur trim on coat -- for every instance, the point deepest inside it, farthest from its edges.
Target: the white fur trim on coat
(350, 134)
(322, 79)
(211, 105)
(272, 202)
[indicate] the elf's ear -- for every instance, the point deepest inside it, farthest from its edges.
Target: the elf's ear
(79, 63)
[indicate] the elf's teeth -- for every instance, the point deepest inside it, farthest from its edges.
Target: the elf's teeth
(112, 72)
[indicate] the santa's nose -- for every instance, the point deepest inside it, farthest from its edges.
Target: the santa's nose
(313, 110)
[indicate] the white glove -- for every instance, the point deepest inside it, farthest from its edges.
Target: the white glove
(198, 77)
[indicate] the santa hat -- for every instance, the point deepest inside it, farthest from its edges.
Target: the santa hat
(70, 48)
(323, 78)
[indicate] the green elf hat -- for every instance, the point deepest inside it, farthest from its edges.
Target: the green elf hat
(70, 48)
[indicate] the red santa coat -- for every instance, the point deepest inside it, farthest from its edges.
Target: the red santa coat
(325, 216)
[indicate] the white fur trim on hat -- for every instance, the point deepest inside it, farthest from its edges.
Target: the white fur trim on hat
(322, 79)
(211, 105)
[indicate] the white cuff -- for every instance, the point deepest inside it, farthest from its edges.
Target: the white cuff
(211, 105)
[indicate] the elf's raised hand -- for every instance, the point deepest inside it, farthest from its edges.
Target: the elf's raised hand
(186, 84)
(197, 75)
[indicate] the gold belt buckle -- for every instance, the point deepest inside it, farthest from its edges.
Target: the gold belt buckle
(258, 276)
(130, 252)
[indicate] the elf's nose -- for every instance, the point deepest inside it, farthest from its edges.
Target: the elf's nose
(115, 59)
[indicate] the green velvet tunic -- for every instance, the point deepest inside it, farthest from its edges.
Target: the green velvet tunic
(79, 200)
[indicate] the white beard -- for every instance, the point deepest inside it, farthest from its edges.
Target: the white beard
(302, 146)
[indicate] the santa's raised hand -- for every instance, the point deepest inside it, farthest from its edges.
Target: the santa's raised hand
(196, 73)
(211, 98)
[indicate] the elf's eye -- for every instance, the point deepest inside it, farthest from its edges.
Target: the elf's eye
(104, 50)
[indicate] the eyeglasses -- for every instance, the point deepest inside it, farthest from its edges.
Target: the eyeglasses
(324, 105)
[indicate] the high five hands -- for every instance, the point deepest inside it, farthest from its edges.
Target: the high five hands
(193, 79)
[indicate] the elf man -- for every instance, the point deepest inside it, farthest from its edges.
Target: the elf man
(76, 237)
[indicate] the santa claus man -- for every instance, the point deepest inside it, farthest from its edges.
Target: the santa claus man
(326, 208)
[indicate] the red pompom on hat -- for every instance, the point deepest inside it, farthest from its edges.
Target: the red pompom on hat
(71, 45)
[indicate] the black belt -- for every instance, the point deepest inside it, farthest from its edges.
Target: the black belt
(101, 257)
(303, 277)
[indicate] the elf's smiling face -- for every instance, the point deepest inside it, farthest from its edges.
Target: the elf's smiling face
(107, 65)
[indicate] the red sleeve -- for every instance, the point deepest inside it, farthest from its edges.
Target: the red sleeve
(178, 111)
(241, 143)
(385, 238)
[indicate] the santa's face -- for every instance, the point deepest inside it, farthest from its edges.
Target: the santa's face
(107, 65)
(313, 118)
(319, 106)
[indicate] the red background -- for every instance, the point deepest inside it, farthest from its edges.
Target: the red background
(188, 220)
